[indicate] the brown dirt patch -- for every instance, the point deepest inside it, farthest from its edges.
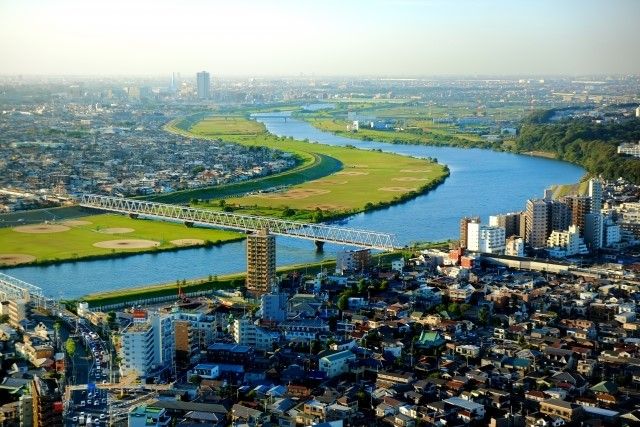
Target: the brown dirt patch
(327, 207)
(332, 182)
(116, 230)
(398, 189)
(75, 222)
(126, 244)
(187, 242)
(352, 173)
(408, 179)
(41, 228)
(415, 170)
(296, 194)
(359, 166)
(15, 259)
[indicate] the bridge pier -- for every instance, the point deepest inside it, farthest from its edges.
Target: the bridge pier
(189, 224)
(319, 245)
(133, 215)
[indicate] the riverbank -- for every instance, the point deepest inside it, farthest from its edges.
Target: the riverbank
(228, 281)
(425, 134)
(103, 236)
(368, 180)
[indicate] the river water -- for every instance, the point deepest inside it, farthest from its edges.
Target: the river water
(482, 182)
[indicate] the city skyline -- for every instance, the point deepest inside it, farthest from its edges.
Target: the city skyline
(381, 38)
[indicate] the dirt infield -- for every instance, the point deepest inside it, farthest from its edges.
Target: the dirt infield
(334, 182)
(408, 179)
(116, 230)
(187, 242)
(415, 170)
(126, 244)
(295, 194)
(328, 207)
(352, 173)
(398, 189)
(75, 222)
(41, 228)
(15, 259)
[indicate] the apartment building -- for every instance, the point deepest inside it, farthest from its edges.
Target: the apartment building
(261, 262)
(536, 223)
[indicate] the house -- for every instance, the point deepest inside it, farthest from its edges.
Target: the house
(429, 339)
(559, 408)
(337, 363)
(466, 410)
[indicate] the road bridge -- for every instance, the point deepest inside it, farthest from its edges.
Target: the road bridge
(318, 233)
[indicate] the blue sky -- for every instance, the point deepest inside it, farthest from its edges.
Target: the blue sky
(330, 37)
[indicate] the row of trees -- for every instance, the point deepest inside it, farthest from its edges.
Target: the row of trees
(584, 142)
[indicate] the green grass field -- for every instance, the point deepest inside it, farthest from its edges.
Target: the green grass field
(227, 125)
(78, 241)
(415, 132)
(367, 177)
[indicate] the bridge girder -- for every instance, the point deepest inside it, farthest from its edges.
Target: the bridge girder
(246, 223)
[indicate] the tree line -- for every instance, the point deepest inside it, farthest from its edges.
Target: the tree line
(585, 142)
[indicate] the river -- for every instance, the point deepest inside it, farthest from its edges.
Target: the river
(482, 182)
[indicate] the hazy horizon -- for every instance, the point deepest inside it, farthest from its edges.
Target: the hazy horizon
(378, 38)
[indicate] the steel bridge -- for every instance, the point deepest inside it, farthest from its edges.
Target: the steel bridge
(191, 216)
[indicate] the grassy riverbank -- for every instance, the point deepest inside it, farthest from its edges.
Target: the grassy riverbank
(367, 180)
(100, 236)
(230, 281)
(416, 132)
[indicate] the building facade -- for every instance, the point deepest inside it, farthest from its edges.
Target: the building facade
(204, 85)
(485, 238)
(261, 262)
(536, 223)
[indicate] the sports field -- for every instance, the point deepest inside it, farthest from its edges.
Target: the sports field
(97, 235)
(366, 177)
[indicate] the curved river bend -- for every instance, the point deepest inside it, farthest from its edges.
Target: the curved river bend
(482, 182)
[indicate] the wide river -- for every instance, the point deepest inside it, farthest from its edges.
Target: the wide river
(482, 182)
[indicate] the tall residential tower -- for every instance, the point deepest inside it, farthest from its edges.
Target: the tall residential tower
(261, 262)
(204, 84)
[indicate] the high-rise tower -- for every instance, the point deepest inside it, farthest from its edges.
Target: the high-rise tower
(204, 84)
(261, 262)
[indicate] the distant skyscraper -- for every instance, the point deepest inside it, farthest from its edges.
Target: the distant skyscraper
(204, 83)
(261, 262)
(174, 82)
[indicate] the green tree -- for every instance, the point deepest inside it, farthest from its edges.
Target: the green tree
(70, 347)
(483, 315)
(343, 302)
(454, 309)
(4, 318)
(362, 286)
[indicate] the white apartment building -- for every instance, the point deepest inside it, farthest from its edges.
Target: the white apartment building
(630, 149)
(514, 246)
(566, 243)
(147, 346)
(485, 238)
(337, 363)
(136, 351)
(245, 332)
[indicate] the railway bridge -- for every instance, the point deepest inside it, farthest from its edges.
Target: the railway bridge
(319, 233)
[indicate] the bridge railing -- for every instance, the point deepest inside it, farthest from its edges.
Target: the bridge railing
(316, 232)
